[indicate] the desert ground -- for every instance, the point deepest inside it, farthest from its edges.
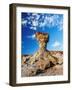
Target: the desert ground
(42, 67)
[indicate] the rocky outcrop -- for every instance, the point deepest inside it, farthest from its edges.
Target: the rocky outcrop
(42, 53)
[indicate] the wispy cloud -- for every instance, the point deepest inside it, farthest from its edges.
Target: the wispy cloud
(37, 16)
(24, 22)
(33, 28)
(56, 44)
(31, 36)
(34, 23)
(60, 26)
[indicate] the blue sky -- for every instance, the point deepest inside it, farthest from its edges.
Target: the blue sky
(41, 22)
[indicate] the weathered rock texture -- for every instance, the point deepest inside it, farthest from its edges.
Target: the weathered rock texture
(42, 59)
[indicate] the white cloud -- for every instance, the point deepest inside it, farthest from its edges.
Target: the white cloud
(37, 16)
(56, 44)
(35, 23)
(29, 22)
(33, 28)
(24, 22)
(49, 19)
(42, 24)
(31, 36)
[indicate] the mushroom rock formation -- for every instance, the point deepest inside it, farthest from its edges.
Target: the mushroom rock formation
(42, 57)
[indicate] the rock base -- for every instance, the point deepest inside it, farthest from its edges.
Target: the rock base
(42, 67)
